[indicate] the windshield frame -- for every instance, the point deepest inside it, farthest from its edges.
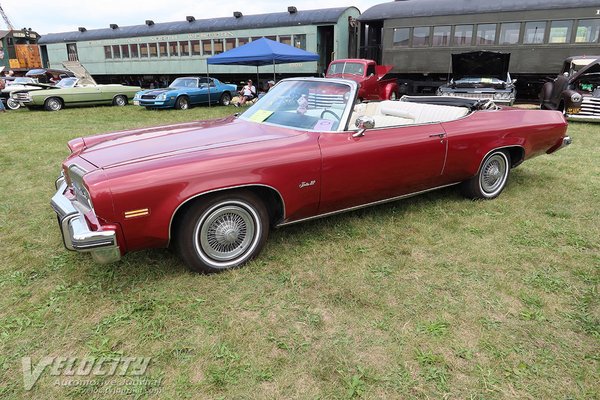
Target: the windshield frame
(59, 84)
(183, 79)
(344, 118)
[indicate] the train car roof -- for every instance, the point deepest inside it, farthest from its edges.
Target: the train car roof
(271, 20)
(430, 8)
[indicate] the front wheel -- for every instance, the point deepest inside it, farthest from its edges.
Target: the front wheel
(491, 178)
(182, 103)
(12, 104)
(53, 104)
(222, 231)
(120, 101)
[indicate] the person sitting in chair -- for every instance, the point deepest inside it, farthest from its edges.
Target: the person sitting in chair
(247, 93)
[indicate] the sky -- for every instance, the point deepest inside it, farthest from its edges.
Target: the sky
(50, 17)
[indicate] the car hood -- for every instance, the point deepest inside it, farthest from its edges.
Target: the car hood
(113, 149)
(480, 64)
(591, 68)
(156, 92)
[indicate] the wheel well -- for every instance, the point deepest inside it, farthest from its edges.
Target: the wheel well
(54, 97)
(517, 155)
(270, 196)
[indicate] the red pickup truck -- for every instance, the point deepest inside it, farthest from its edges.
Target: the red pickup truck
(368, 75)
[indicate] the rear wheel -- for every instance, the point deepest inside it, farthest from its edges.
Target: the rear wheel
(491, 178)
(53, 104)
(222, 231)
(120, 101)
(225, 99)
(182, 103)
(12, 104)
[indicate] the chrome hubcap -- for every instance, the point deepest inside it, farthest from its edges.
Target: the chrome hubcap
(493, 174)
(227, 233)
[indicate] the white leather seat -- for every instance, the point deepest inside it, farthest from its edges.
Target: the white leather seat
(393, 113)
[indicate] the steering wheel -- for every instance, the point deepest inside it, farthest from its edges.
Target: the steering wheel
(338, 118)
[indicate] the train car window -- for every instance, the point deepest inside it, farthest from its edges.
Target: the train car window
(185, 48)
(218, 46)
(273, 38)
(242, 41)
(196, 48)
(107, 52)
(162, 49)
(207, 48)
(300, 41)
(486, 34)
(560, 31)
(509, 33)
(116, 51)
(401, 36)
(587, 31)
(463, 35)
(133, 49)
(254, 38)
(143, 50)
(153, 49)
(125, 51)
(421, 36)
(286, 40)
(173, 49)
(534, 32)
(229, 44)
(441, 36)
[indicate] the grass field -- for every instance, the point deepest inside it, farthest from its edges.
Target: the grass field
(431, 297)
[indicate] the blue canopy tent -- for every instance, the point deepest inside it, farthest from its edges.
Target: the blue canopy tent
(262, 52)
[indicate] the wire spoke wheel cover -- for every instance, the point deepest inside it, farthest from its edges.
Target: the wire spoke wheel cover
(226, 233)
(493, 174)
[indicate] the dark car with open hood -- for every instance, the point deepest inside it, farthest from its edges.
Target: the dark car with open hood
(481, 75)
(576, 89)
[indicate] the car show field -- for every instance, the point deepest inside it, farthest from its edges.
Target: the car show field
(435, 296)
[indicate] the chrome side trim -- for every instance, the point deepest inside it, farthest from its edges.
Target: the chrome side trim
(404, 196)
(220, 190)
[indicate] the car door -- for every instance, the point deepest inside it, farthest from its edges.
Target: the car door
(383, 164)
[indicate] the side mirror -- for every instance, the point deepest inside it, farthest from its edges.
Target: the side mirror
(363, 123)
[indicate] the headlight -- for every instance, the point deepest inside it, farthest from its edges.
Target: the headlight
(162, 96)
(576, 97)
(137, 96)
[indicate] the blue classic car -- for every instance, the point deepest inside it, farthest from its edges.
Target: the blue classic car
(185, 92)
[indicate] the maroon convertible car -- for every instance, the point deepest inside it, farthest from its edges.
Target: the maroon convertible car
(213, 189)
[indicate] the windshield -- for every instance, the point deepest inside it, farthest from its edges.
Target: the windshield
(316, 105)
(352, 68)
(184, 83)
(22, 81)
(67, 82)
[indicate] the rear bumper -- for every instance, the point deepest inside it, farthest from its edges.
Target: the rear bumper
(77, 235)
(561, 144)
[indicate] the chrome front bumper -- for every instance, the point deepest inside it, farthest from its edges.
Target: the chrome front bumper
(583, 117)
(77, 236)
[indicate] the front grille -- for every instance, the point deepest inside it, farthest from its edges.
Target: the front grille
(476, 95)
(148, 96)
(590, 106)
(20, 96)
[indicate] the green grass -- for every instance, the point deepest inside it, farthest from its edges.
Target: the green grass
(435, 296)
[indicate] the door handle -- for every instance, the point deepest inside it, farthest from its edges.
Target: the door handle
(440, 135)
